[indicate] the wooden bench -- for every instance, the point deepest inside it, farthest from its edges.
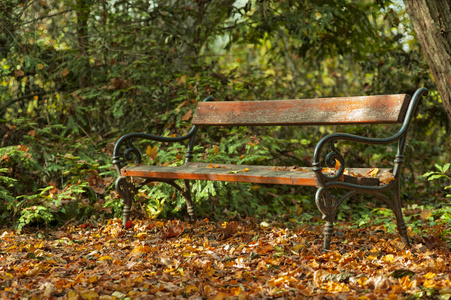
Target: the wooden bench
(327, 173)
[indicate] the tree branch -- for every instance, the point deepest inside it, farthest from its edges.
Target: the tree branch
(48, 16)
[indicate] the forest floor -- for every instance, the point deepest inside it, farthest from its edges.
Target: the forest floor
(241, 259)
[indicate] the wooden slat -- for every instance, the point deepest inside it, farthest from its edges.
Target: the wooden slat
(256, 174)
(343, 110)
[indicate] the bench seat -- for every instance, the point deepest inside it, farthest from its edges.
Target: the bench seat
(243, 173)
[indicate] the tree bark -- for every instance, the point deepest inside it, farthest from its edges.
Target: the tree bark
(431, 20)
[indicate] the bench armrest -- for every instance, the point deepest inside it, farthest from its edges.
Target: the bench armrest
(120, 158)
(121, 155)
(335, 137)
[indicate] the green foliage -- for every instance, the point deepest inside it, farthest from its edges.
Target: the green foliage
(441, 174)
(53, 205)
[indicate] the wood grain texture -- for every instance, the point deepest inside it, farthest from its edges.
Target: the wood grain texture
(232, 173)
(343, 110)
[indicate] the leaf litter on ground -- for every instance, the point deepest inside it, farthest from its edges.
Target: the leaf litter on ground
(239, 259)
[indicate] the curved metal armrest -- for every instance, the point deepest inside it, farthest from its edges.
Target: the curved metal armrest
(334, 137)
(131, 150)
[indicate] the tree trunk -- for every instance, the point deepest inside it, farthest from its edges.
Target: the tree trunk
(431, 20)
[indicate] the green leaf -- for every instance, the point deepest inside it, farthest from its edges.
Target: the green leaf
(436, 176)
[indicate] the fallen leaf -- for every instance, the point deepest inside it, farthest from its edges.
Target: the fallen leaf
(425, 214)
(227, 230)
(372, 172)
(152, 152)
(173, 229)
(88, 294)
(129, 225)
(386, 177)
(187, 116)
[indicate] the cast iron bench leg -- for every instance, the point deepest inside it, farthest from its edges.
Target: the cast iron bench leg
(397, 210)
(189, 203)
(125, 190)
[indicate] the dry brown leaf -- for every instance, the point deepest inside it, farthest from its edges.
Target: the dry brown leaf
(188, 115)
(386, 177)
(227, 230)
(173, 229)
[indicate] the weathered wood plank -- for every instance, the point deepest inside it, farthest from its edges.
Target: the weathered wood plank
(232, 173)
(343, 110)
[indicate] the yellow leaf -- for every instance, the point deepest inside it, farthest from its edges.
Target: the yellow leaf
(141, 235)
(40, 66)
(105, 258)
(430, 283)
(372, 173)
(72, 295)
(152, 152)
(388, 258)
(140, 249)
(88, 294)
(64, 72)
(216, 149)
(405, 283)
(361, 281)
(430, 275)
(93, 279)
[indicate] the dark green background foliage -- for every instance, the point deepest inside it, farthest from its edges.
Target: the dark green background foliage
(76, 75)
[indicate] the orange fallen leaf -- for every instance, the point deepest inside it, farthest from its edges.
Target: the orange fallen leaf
(188, 116)
(216, 149)
(152, 152)
(64, 72)
(386, 177)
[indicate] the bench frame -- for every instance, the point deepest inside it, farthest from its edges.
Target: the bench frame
(327, 203)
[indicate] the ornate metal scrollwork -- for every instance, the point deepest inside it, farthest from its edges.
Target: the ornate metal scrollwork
(331, 159)
(132, 152)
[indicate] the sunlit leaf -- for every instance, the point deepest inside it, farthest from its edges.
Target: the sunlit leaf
(152, 152)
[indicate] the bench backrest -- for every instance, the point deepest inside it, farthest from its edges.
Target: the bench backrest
(343, 110)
